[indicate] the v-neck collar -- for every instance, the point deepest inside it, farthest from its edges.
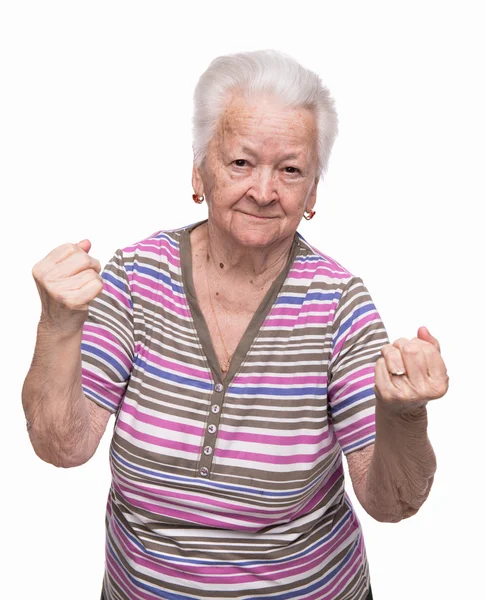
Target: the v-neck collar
(202, 329)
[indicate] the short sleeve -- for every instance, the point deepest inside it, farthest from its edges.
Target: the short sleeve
(358, 336)
(107, 346)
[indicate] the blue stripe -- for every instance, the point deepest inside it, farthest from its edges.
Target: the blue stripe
(144, 586)
(342, 405)
(193, 383)
(310, 297)
(242, 563)
(311, 259)
(290, 300)
(164, 236)
(362, 310)
(212, 484)
(370, 438)
(121, 285)
(157, 275)
(323, 295)
(94, 351)
(88, 392)
(303, 593)
(300, 391)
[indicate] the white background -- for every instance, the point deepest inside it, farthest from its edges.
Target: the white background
(95, 141)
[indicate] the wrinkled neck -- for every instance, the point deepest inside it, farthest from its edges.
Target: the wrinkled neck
(243, 262)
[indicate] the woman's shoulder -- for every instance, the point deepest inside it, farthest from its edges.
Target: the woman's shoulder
(314, 260)
(160, 241)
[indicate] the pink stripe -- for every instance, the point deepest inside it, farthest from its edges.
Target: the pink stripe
(277, 323)
(108, 346)
(291, 381)
(362, 422)
(160, 299)
(156, 359)
(363, 321)
(270, 458)
(234, 575)
(162, 423)
(185, 502)
(119, 575)
(360, 430)
(189, 516)
(277, 440)
(156, 241)
(102, 387)
(314, 501)
(116, 293)
(157, 285)
(340, 384)
(314, 306)
(356, 326)
(328, 260)
(339, 344)
(360, 435)
(201, 501)
(315, 319)
(312, 273)
(163, 249)
(301, 320)
(345, 577)
(345, 392)
(145, 438)
(285, 311)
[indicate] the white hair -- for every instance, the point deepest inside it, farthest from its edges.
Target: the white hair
(267, 72)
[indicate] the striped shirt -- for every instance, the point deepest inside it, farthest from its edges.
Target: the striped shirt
(232, 487)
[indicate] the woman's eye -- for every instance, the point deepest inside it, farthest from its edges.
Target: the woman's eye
(291, 170)
(240, 162)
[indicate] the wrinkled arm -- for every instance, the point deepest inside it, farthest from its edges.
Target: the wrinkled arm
(64, 426)
(393, 477)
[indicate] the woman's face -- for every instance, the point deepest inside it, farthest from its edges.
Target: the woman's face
(259, 175)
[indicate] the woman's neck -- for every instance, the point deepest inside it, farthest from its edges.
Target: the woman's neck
(235, 263)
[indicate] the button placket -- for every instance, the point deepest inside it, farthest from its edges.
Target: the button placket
(212, 426)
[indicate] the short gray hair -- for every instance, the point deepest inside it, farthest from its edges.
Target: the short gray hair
(266, 72)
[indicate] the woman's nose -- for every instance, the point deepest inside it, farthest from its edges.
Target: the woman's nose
(263, 188)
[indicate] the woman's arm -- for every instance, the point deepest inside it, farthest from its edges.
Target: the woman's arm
(393, 477)
(65, 427)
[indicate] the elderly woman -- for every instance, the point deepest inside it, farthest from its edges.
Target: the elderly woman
(241, 364)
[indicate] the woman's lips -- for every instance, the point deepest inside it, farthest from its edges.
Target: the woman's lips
(257, 217)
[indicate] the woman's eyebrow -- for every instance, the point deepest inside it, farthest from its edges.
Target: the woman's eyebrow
(289, 156)
(248, 150)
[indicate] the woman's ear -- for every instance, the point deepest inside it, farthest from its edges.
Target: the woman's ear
(312, 198)
(197, 182)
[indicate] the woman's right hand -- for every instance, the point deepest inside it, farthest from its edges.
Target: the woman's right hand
(67, 280)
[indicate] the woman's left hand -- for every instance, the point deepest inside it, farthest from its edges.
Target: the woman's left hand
(410, 373)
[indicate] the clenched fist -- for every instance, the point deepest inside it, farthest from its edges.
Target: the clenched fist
(67, 280)
(410, 373)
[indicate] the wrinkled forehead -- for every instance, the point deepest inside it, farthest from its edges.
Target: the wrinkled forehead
(264, 119)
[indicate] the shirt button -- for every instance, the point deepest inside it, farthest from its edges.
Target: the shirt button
(211, 429)
(204, 471)
(208, 450)
(219, 387)
(215, 409)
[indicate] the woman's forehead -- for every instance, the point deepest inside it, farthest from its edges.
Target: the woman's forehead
(264, 118)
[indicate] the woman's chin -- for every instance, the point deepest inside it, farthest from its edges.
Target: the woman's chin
(256, 231)
(256, 238)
